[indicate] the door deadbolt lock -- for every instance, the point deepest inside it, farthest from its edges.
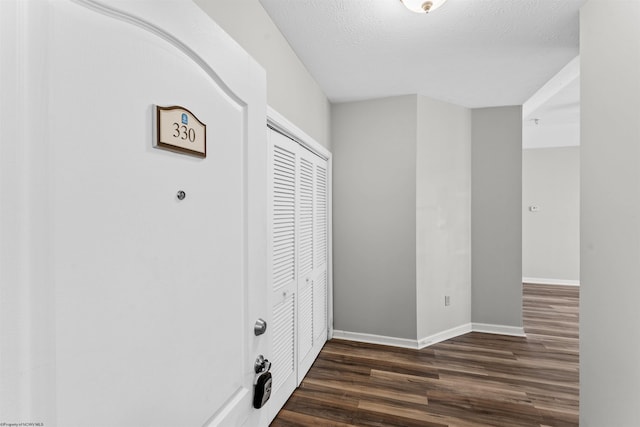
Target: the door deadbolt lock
(260, 327)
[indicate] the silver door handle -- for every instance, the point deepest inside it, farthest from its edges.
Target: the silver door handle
(261, 364)
(260, 327)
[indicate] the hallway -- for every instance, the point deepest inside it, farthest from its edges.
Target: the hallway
(472, 380)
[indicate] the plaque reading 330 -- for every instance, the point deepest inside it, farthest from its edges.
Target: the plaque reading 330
(178, 129)
(184, 133)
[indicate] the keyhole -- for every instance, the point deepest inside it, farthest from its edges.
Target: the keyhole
(181, 195)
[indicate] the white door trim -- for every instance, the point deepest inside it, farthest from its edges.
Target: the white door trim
(285, 127)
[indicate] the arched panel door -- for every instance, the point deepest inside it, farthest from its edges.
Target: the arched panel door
(155, 296)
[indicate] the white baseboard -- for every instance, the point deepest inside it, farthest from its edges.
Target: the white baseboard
(404, 342)
(498, 329)
(543, 281)
(432, 339)
(444, 335)
(376, 339)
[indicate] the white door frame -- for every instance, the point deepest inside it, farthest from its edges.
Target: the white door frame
(279, 123)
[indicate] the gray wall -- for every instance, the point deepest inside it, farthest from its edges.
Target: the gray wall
(496, 219)
(551, 236)
(291, 90)
(443, 216)
(374, 226)
(610, 214)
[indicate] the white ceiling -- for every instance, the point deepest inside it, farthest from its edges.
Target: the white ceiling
(474, 53)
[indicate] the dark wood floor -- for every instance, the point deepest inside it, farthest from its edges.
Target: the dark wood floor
(472, 380)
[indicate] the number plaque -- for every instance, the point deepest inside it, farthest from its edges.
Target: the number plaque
(177, 129)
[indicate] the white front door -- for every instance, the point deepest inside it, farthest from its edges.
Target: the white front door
(155, 297)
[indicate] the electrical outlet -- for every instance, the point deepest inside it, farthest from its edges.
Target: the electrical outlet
(447, 300)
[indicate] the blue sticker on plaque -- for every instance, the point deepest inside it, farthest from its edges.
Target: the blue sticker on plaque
(185, 120)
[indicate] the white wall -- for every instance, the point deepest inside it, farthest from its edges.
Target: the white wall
(551, 236)
(374, 211)
(550, 135)
(291, 90)
(443, 216)
(496, 218)
(610, 214)
(402, 217)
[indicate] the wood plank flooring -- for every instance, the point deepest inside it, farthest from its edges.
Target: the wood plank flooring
(469, 381)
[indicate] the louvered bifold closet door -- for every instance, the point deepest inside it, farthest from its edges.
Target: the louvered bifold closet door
(306, 260)
(298, 252)
(321, 239)
(312, 247)
(284, 167)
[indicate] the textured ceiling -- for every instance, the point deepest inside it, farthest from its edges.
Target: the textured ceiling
(475, 53)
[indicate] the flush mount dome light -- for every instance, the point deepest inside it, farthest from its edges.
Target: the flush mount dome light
(422, 6)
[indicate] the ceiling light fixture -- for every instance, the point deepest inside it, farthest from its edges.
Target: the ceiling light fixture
(422, 6)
